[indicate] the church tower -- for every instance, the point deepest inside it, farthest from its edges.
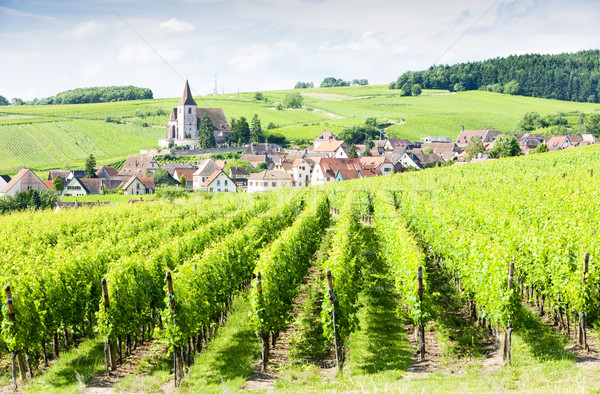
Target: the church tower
(187, 120)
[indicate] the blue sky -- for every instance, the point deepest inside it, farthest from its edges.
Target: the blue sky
(50, 46)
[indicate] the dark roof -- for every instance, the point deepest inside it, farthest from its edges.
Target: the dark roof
(110, 170)
(52, 174)
(187, 98)
(238, 172)
(92, 185)
(217, 117)
(6, 178)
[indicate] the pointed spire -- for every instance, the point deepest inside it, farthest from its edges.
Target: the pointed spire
(187, 98)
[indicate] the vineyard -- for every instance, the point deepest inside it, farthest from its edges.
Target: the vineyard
(354, 286)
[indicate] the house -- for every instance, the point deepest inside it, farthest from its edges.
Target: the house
(257, 148)
(188, 174)
(391, 144)
(171, 167)
(434, 140)
(110, 176)
(219, 182)
(240, 176)
(582, 140)
(269, 180)
(324, 137)
(74, 205)
(302, 172)
(184, 121)
(345, 175)
(205, 169)
(558, 142)
(83, 187)
(64, 174)
(486, 136)
(4, 179)
(139, 166)
(255, 159)
(417, 159)
(138, 185)
(446, 151)
(326, 169)
(379, 163)
(334, 149)
(106, 172)
(23, 181)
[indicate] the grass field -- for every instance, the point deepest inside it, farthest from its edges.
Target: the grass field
(61, 136)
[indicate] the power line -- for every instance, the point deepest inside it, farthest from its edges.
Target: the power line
(466, 31)
(147, 44)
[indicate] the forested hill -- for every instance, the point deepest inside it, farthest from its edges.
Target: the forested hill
(567, 76)
(96, 95)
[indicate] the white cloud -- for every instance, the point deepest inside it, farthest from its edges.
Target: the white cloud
(177, 25)
(92, 71)
(141, 53)
(10, 11)
(86, 29)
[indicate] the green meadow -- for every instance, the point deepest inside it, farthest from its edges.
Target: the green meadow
(62, 136)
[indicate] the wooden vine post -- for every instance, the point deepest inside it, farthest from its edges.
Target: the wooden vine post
(177, 358)
(339, 359)
(264, 336)
(508, 330)
(582, 334)
(420, 327)
(17, 353)
(110, 359)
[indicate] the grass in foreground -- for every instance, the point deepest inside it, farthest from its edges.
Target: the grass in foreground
(72, 371)
(228, 360)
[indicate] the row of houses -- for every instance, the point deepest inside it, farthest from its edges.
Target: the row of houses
(75, 183)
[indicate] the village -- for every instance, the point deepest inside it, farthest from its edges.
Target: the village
(271, 166)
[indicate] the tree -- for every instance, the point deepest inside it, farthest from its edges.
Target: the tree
(90, 163)
(58, 184)
(206, 134)
(475, 147)
(506, 146)
(530, 121)
(4, 101)
(17, 101)
(293, 100)
(541, 148)
(182, 181)
(258, 96)
(256, 134)
(240, 130)
(304, 85)
(162, 178)
(406, 90)
(352, 153)
(512, 88)
(415, 90)
(262, 166)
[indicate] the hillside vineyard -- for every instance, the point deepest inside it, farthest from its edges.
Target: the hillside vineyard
(171, 271)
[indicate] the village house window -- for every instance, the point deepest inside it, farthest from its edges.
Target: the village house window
(189, 110)
(218, 182)
(273, 184)
(225, 182)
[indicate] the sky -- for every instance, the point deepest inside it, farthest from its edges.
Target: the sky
(48, 46)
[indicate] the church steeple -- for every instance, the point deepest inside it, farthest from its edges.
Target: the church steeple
(187, 98)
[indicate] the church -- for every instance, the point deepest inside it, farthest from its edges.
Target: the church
(182, 129)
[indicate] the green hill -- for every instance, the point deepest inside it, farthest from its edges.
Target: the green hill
(566, 76)
(59, 136)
